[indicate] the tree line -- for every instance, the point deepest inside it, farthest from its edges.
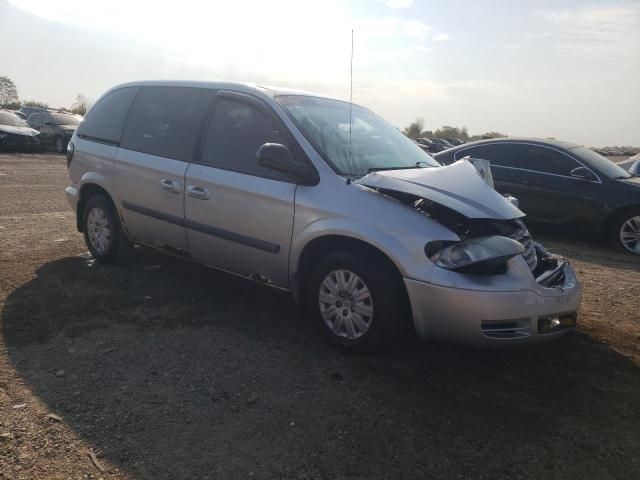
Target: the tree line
(10, 99)
(416, 130)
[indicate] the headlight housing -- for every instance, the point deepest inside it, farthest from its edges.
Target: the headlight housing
(482, 255)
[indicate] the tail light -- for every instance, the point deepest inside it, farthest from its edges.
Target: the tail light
(70, 151)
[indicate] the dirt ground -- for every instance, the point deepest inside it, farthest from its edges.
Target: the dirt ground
(165, 369)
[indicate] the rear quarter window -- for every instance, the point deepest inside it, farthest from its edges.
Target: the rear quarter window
(499, 154)
(105, 120)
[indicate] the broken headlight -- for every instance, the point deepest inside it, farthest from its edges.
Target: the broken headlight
(483, 255)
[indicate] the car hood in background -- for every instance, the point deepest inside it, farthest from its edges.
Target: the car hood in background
(457, 186)
(68, 127)
(26, 131)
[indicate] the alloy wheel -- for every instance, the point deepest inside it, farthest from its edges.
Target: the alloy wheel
(630, 235)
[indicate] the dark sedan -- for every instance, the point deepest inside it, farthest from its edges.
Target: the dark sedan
(15, 133)
(56, 128)
(563, 184)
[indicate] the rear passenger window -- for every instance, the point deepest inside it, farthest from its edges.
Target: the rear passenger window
(236, 132)
(105, 120)
(546, 160)
(166, 121)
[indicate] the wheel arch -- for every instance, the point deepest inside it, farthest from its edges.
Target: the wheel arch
(88, 190)
(321, 245)
(615, 215)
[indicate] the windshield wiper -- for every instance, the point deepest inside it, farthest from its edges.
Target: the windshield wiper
(419, 164)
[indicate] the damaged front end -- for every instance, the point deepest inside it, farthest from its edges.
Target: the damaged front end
(489, 226)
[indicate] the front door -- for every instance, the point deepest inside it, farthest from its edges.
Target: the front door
(549, 192)
(238, 214)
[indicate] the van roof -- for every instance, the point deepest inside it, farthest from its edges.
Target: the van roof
(271, 91)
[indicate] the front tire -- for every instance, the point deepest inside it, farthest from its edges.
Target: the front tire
(103, 233)
(357, 301)
(625, 232)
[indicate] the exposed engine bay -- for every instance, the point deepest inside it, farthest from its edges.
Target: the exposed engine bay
(443, 195)
(545, 266)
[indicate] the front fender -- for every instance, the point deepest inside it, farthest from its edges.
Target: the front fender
(406, 251)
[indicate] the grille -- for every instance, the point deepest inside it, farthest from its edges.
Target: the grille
(522, 235)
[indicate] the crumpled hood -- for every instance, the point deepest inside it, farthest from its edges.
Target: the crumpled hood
(68, 127)
(457, 186)
(26, 131)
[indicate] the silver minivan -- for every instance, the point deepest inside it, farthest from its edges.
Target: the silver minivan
(321, 198)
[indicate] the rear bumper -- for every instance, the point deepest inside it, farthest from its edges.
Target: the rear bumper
(485, 318)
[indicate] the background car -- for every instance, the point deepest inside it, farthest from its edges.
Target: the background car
(15, 133)
(631, 165)
(29, 110)
(441, 144)
(19, 114)
(55, 127)
(423, 147)
(426, 144)
(454, 141)
(433, 144)
(562, 184)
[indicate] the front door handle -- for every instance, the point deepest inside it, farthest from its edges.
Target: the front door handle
(198, 192)
(170, 185)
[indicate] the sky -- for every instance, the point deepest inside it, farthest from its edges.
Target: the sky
(567, 69)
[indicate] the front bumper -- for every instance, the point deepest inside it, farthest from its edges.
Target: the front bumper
(489, 317)
(71, 192)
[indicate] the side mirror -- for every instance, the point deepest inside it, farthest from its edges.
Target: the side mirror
(278, 157)
(582, 173)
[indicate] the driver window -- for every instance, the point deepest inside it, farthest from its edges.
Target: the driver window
(236, 132)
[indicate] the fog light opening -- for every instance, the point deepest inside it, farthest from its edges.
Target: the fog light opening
(556, 323)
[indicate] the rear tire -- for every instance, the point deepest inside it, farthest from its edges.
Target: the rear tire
(625, 231)
(103, 233)
(357, 301)
(60, 145)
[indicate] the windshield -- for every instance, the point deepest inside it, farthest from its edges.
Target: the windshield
(374, 143)
(11, 120)
(603, 164)
(66, 119)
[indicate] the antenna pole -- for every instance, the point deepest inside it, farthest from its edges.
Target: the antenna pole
(350, 102)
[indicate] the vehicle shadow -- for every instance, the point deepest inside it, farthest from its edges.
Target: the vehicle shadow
(172, 370)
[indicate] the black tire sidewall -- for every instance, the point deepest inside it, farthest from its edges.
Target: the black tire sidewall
(55, 144)
(617, 226)
(382, 283)
(104, 204)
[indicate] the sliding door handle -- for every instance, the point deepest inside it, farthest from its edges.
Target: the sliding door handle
(198, 192)
(170, 185)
